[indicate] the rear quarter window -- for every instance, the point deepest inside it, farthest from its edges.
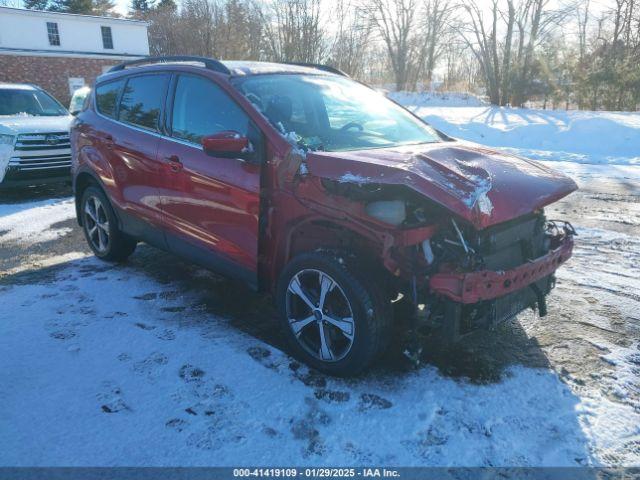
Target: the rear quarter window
(107, 97)
(142, 99)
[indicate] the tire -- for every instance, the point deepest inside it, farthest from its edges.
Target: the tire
(100, 227)
(348, 349)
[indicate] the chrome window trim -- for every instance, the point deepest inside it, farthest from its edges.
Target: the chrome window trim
(196, 146)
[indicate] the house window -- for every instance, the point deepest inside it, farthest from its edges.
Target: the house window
(107, 38)
(54, 35)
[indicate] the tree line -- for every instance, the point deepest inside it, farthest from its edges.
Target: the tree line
(567, 53)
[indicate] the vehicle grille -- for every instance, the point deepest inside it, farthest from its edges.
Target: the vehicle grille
(41, 151)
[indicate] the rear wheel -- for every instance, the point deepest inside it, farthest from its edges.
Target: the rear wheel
(100, 227)
(334, 317)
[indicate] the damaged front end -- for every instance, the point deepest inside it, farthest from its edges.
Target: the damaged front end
(461, 265)
(487, 277)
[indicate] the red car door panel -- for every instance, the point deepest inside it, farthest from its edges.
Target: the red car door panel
(131, 146)
(210, 203)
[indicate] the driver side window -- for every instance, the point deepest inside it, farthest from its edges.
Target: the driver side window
(202, 108)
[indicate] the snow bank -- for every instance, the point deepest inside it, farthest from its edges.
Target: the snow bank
(435, 99)
(31, 222)
(554, 135)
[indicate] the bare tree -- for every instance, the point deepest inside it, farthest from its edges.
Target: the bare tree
(411, 32)
(197, 24)
(350, 48)
(294, 31)
(433, 27)
(482, 39)
(517, 50)
(238, 30)
(395, 21)
(504, 39)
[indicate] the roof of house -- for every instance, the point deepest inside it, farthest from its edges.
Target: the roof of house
(73, 15)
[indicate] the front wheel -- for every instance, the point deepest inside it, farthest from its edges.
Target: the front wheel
(100, 227)
(334, 316)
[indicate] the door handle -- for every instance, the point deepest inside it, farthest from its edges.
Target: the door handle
(108, 141)
(174, 163)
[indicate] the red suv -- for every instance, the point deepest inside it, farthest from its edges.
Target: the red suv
(304, 183)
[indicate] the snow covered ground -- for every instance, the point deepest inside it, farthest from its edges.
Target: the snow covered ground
(105, 366)
(159, 363)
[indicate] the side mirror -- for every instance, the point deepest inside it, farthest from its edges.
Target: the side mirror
(228, 144)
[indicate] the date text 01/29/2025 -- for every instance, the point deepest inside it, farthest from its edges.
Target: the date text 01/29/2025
(316, 472)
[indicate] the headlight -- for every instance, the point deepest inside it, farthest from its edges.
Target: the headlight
(393, 212)
(6, 139)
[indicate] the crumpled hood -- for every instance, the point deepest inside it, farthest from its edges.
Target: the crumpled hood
(13, 125)
(483, 186)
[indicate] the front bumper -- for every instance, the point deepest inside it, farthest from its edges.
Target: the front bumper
(16, 177)
(474, 287)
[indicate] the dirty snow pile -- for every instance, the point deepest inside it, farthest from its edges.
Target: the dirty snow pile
(554, 135)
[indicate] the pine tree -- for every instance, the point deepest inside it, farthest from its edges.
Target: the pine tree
(167, 5)
(35, 4)
(140, 6)
(84, 7)
(104, 8)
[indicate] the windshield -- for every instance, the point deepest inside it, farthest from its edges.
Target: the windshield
(29, 102)
(333, 113)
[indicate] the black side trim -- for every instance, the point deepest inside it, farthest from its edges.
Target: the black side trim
(141, 229)
(211, 260)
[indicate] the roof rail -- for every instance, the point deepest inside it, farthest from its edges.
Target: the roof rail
(319, 66)
(209, 63)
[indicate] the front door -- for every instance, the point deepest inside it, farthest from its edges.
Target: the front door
(211, 204)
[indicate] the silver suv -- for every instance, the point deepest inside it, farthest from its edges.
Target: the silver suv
(34, 137)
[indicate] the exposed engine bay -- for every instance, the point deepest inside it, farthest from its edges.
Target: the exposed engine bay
(461, 278)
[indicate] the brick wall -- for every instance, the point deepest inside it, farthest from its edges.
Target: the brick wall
(51, 73)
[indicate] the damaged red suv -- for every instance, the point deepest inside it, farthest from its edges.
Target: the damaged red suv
(304, 183)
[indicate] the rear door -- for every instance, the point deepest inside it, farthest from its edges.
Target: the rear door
(134, 143)
(211, 204)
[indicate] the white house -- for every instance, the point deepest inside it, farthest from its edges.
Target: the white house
(61, 52)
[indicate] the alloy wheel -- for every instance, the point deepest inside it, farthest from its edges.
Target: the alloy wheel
(320, 315)
(96, 224)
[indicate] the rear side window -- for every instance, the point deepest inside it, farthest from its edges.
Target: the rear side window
(201, 108)
(107, 97)
(142, 101)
